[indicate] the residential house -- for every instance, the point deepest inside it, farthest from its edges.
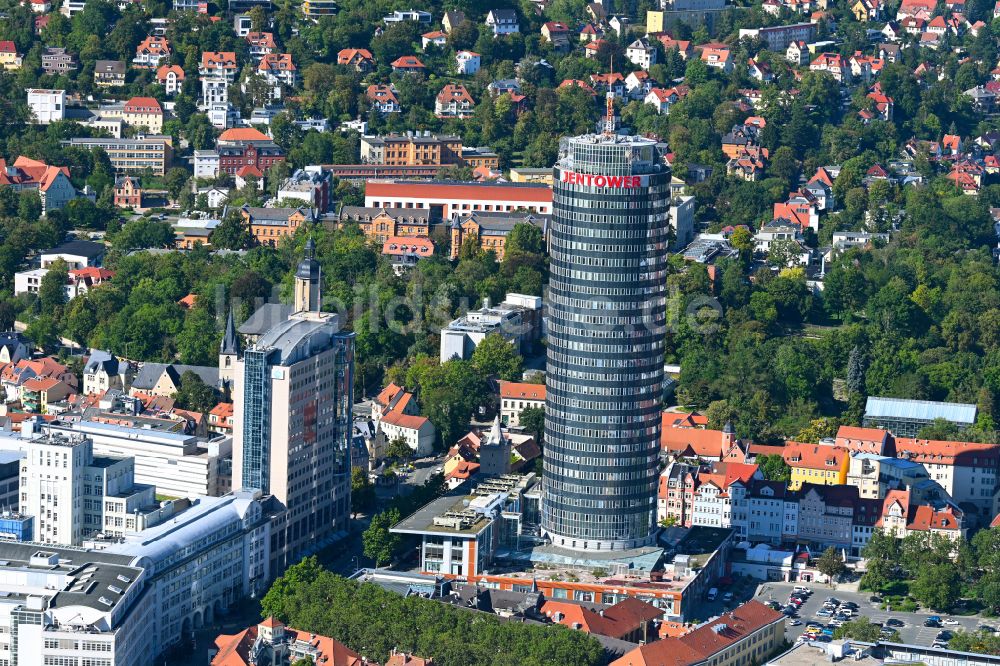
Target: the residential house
(415, 15)
(103, 371)
(109, 73)
(52, 183)
(279, 71)
(404, 252)
(217, 71)
(502, 22)
(383, 98)
(151, 52)
(515, 397)
(663, 98)
(685, 49)
(171, 77)
(834, 64)
(47, 106)
(819, 464)
(9, 57)
(144, 112)
(759, 71)
(360, 59)
(467, 63)
(408, 65)
(261, 44)
(638, 84)
(454, 101)
(58, 61)
(799, 211)
(641, 54)
(438, 38)
(128, 193)
(452, 19)
(244, 146)
(220, 418)
(718, 57)
(554, 31)
(797, 53)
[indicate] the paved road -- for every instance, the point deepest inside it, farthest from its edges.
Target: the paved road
(913, 632)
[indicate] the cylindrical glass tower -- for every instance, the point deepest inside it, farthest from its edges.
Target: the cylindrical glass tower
(606, 319)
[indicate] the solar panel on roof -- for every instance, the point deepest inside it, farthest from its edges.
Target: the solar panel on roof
(106, 602)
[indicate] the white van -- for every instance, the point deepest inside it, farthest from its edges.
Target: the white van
(713, 593)
(800, 588)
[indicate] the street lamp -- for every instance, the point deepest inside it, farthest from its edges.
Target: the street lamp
(355, 560)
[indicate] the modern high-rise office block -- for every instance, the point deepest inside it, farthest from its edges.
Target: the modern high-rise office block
(606, 320)
(74, 495)
(293, 393)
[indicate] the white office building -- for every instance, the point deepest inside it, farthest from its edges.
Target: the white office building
(74, 494)
(178, 465)
(125, 605)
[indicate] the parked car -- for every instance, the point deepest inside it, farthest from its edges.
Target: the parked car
(727, 597)
(934, 618)
(875, 599)
(802, 588)
(931, 623)
(822, 612)
(951, 621)
(894, 622)
(795, 623)
(944, 635)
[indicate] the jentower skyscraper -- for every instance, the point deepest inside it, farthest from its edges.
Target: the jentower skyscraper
(606, 318)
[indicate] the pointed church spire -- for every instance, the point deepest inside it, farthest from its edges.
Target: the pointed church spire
(230, 341)
(496, 435)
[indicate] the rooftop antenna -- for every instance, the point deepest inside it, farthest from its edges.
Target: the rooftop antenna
(609, 119)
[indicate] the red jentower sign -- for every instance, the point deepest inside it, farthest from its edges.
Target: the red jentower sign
(598, 180)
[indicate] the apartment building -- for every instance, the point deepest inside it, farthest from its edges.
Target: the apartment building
(411, 149)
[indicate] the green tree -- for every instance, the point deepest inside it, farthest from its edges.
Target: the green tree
(379, 543)
(774, 468)
(496, 357)
(532, 419)
(195, 394)
(937, 586)
(980, 642)
(398, 449)
(52, 289)
(232, 233)
(831, 563)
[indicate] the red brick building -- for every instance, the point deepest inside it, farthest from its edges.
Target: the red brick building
(244, 146)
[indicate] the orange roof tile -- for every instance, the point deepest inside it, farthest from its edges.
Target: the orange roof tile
(814, 456)
(522, 391)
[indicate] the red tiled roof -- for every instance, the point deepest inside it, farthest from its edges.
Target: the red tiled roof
(143, 105)
(243, 134)
(945, 453)
(163, 70)
(404, 420)
(707, 640)
(522, 391)
(7, 46)
(864, 440)
(814, 456)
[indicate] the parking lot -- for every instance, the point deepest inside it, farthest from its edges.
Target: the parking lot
(912, 631)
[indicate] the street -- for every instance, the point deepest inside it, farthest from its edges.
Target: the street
(913, 632)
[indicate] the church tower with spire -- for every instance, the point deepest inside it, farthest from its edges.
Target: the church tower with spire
(307, 281)
(229, 352)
